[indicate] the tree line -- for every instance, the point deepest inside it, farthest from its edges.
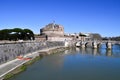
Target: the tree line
(16, 34)
(117, 38)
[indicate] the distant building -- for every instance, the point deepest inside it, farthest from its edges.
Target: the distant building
(52, 30)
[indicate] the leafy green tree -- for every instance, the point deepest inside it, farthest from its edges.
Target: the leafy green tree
(16, 34)
(28, 34)
(4, 34)
(96, 36)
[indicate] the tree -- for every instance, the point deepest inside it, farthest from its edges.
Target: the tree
(28, 34)
(96, 36)
(16, 34)
(4, 34)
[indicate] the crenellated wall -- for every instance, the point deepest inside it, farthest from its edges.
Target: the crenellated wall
(9, 51)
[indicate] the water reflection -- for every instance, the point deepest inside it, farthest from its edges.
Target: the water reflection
(95, 51)
(114, 52)
(108, 52)
(66, 51)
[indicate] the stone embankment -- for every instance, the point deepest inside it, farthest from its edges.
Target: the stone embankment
(10, 50)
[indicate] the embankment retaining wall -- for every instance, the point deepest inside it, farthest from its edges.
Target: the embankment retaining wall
(9, 51)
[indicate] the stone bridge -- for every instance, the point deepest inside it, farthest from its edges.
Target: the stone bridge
(96, 44)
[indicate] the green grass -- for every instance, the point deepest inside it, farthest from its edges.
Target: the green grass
(16, 71)
(20, 69)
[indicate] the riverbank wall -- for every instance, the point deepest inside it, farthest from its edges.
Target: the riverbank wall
(10, 50)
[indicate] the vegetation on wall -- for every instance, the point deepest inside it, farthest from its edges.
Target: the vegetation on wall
(16, 34)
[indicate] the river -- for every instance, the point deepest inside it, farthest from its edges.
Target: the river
(76, 64)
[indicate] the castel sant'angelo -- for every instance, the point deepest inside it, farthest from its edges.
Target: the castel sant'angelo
(52, 30)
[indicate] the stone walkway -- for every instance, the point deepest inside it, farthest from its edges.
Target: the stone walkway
(11, 65)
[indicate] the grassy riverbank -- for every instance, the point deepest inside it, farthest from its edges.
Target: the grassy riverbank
(21, 68)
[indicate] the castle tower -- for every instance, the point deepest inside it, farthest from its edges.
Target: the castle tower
(52, 30)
